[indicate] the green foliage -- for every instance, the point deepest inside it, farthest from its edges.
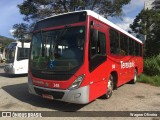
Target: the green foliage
(5, 41)
(21, 32)
(153, 80)
(147, 23)
(143, 21)
(34, 10)
(152, 66)
(151, 71)
(38, 9)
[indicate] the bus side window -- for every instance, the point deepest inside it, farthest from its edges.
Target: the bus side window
(97, 50)
(141, 47)
(131, 47)
(102, 43)
(137, 49)
(114, 42)
(123, 44)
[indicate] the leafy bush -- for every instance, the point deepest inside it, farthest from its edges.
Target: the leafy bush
(158, 60)
(151, 71)
(152, 66)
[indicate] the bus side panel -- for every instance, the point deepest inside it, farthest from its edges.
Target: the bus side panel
(127, 73)
(141, 66)
(97, 89)
(99, 80)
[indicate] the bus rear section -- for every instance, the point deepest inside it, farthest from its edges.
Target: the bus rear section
(17, 58)
(70, 59)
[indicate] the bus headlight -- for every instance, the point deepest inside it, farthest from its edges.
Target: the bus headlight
(11, 66)
(77, 82)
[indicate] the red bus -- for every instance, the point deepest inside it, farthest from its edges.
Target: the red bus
(80, 56)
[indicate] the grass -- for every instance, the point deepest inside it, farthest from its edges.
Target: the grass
(152, 80)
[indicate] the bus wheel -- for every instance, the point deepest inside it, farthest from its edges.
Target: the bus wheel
(110, 87)
(134, 80)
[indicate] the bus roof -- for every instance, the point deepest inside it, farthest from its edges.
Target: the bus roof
(99, 17)
(27, 44)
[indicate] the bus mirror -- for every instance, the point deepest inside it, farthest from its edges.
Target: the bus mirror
(95, 35)
(92, 23)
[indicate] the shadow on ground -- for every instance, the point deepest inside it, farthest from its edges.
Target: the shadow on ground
(20, 92)
(12, 75)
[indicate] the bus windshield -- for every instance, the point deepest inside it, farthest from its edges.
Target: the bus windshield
(10, 52)
(57, 50)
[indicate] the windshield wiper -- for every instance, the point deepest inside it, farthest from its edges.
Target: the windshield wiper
(63, 32)
(54, 40)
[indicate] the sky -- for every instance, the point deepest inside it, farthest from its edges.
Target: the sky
(130, 11)
(10, 15)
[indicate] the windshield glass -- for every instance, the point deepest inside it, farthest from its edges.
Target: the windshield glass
(58, 50)
(10, 52)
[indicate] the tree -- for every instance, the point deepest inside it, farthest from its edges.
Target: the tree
(39, 9)
(20, 31)
(147, 24)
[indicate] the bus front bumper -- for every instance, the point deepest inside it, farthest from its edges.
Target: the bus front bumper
(78, 96)
(9, 69)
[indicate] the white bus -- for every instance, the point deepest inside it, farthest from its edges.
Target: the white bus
(1, 51)
(17, 58)
(2, 54)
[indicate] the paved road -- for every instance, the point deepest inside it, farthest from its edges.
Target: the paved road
(14, 96)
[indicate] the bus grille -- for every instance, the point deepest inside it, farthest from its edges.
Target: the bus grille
(55, 94)
(57, 77)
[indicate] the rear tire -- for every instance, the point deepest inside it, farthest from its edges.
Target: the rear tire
(110, 87)
(134, 80)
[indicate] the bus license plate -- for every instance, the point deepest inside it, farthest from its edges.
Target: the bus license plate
(46, 96)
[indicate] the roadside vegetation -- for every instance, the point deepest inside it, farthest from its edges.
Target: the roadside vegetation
(151, 73)
(152, 80)
(146, 26)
